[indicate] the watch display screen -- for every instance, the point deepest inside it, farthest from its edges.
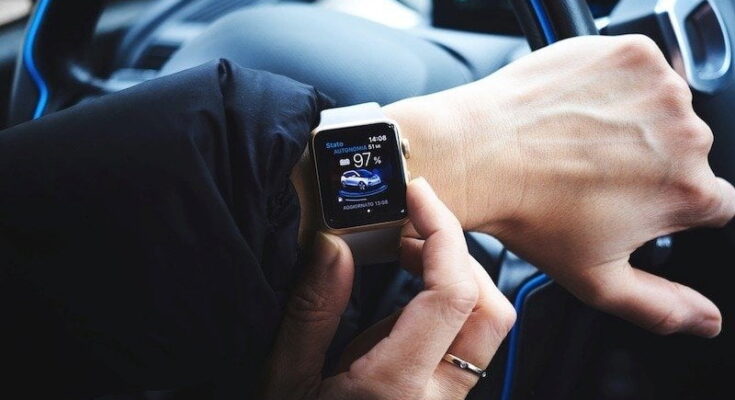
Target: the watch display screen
(361, 177)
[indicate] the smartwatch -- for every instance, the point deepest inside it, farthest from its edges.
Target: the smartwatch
(361, 172)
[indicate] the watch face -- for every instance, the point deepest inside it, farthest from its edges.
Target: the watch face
(361, 177)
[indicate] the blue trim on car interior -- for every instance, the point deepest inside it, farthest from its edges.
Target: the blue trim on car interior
(30, 63)
(544, 21)
(510, 362)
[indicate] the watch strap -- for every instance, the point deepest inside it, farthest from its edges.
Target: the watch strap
(353, 115)
(375, 246)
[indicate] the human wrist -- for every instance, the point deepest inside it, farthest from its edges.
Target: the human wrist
(467, 164)
(427, 141)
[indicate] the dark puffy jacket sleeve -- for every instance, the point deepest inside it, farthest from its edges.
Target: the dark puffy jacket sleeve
(148, 238)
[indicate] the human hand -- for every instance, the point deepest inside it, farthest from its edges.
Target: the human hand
(459, 311)
(574, 156)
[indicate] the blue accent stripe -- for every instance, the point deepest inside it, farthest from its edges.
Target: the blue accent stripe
(30, 63)
(543, 18)
(510, 363)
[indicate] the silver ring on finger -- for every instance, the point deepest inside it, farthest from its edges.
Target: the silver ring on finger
(465, 365)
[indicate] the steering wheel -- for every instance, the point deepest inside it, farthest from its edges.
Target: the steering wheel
(51, 72)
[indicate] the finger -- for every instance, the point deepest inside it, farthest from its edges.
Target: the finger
(311, 318)
(724, 211)
(367, 340)
(654, 303)
(444, 252)
(479, 339)
(716, 205)
(482, 333)
(408, 230)
(430, 322)
(411, 254)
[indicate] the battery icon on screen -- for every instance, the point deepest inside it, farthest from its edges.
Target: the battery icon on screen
(344, 162)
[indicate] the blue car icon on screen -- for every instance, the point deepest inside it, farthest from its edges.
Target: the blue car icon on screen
(361, 179)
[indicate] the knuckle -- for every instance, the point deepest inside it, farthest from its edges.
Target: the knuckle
(507, 317)
(699, 196)
(676, 91)
(501, 318)
(308, 305)
(675, 82)
(673, 99)
(460, 297)
(695, 134)
(637, 49)
(497, 319)
(682, 88)
(670, 323)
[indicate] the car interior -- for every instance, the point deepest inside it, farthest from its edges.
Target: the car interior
(54, 55)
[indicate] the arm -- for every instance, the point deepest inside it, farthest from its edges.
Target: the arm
(575, 165)
(162, 206)
(459, 311)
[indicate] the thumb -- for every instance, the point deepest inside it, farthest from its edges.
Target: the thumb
(311, 319)
(655, 303)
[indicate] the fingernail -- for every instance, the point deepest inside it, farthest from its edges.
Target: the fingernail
(708, 328)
